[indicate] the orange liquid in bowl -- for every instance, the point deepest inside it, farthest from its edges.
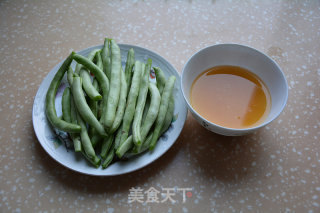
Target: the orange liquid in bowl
(231, 96)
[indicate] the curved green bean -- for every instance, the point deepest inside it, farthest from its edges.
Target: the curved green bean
(100, 76)
(152, 112)
(88, 87)
(143, 91)
(160, 78)
(131, 103)
(114, 93)
(50, 101)
(98, 73)
(90, 57)
(121, 105)
(167, 92)
(83, 108)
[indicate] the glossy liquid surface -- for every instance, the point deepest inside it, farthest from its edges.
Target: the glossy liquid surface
(230, 96)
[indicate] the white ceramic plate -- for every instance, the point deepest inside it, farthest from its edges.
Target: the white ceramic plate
(75, 161)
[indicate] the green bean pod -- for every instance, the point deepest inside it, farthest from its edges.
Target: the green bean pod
(109, 157)
(131, 104)
(99, 60)
(94, 106)
(98, 73)
(66, 105)
(85, 140)
(129, 67)
(68, 115)
(160, 77)
(70, 75)
(88, 87)
(122, 104)
(167, 92)
(83, 108)
(106, 145)
(55, 121)
(105, 56)
(143, 91)
(100, 76)
(115, 84)
(90, 57)
(74, 136)
(152, 112)
(146, 108)
(117, 139)
(146, 143)
(169, 115)
(125, 146)
(95, 161)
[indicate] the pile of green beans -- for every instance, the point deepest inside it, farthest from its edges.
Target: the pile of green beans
(111, 112)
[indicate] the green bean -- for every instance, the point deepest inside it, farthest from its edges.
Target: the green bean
(99, 60)
(169, 115)
(106, 145)
(100, 76)
(122, 104)
(146, 143)
(68, 115)
(105, 56)
(129, 67)
(94, 108)
(118, 137)
(85, 140)
(83, 108)
(131, 103)
(146, 108)
(167, 92)
(90, 57)
(143, 91)
(137, 150)
(109, 158)
(74, 136)
(88, 87)
(50, 101)
(115, 84)
(66, 105)
(125, 146)
(70, 75)
(152, 112)
(98, 73)
(96, 139)
(160, 77)
(95, 161)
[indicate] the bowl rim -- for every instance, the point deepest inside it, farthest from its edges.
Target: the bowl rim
(274, 116)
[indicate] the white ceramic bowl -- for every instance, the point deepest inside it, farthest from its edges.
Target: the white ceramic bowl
(236, 55)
